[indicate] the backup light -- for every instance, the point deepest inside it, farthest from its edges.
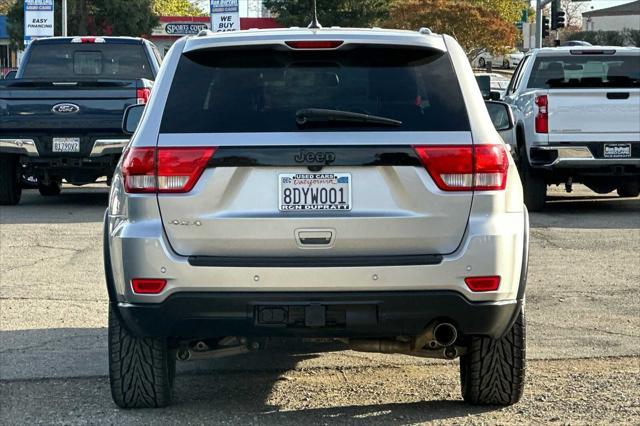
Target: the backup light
(478, 284)
(147, 285)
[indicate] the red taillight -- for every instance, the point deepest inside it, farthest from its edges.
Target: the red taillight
(466, 167)
(143, 95)
(165, 170)
(332, 44)
(148, 286)
(483, 283)
(542, 117)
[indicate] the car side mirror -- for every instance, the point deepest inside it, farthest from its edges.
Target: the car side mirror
(131, 119)
(501, 115)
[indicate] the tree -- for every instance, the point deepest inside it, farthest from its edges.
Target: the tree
(176, 8)
(91, 17)
(477, 25)
(343, 13)
(5, 5)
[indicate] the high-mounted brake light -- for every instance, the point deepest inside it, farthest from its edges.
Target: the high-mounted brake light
(491, 283)
(143, 95)
(466, 167)
(88, 40)
(164, 170)
(148, 286)
(542, 117)
(315, 44)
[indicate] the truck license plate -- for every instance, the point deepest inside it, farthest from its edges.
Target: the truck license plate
(314, 191)
(66, 144)
(617, 150)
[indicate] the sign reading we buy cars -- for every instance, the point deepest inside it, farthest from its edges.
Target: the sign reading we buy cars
(38, 19)
(225, 15)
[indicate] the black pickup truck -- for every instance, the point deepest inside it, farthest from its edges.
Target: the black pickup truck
(61, 118)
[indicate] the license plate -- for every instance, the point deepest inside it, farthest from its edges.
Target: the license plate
(617, 150)
(314, 191)
(66, 144)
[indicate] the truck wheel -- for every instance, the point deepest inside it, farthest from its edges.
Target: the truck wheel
(141, 370)
(629, 189)
(492, 370)
(533, 185)
(10, 180)
(51, 189)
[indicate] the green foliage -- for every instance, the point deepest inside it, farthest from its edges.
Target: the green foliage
(343, 13)
(5, 5)
(626, 37)
(176, 8)
(91, 17)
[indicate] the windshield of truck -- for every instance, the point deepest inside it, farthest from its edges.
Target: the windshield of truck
(586, 71)
(87, 61)
(268, 90)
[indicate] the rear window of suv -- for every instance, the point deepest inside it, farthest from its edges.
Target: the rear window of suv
(261, 90)
(88, 61)
(585, 71)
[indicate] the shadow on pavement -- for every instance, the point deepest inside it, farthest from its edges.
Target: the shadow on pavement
(74, 205)
(588, 212)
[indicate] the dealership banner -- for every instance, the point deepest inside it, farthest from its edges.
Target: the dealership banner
(225, 15)
(38, 19)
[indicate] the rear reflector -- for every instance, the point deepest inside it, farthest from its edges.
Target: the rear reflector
(314, 44)
(142, 95)
(148, 286)
(483, 283)
(466, 167)
(164, 170)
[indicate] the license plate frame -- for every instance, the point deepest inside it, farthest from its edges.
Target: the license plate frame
(617, 150)
(65, 145)
(337, 187)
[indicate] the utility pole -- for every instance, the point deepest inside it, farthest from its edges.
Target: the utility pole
(64, 18)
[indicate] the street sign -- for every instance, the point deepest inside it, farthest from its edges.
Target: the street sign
(38, 19)
(225, 15)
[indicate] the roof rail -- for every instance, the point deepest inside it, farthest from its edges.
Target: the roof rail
(425, 31)
(204, 33)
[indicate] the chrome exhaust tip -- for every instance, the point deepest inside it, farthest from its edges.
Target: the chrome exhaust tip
(445, 334)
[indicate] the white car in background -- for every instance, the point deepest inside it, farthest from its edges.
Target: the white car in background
(507, 61)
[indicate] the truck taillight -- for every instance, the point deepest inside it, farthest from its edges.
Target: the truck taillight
(143, 95)
(542, 117)
(466, 167)
(164, 170)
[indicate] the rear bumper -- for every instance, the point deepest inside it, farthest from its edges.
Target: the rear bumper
(314, 314)
(40, 147)
(582, 156)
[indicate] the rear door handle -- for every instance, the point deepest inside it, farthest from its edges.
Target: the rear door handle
(618, 95)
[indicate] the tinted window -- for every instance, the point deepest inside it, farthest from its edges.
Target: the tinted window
(261, 90)
(91, 60)
(586, 71)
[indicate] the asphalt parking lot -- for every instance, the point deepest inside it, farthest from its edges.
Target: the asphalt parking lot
(583, 307)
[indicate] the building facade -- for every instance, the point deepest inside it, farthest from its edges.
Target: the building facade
(613, 18)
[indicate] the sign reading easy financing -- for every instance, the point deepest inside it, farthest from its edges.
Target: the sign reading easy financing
(225, 15)
(38, 19)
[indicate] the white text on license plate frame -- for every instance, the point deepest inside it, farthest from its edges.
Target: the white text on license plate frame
(314, 191)
(617, 150)
(66, 145)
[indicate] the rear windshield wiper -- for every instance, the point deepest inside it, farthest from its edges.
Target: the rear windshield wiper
(318, 115)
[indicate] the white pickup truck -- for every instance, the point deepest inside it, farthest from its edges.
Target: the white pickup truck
(577, 113)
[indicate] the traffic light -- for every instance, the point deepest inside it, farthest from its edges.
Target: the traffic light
(545, 26)
(557, 16)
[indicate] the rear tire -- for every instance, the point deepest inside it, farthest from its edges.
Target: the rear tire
(141, 370)
(629, 189)
(533, 184)
(10, 180)
(51, 189)
(492, 371)
(506, 64)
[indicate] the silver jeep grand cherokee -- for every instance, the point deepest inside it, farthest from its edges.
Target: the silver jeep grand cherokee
(323, 184)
